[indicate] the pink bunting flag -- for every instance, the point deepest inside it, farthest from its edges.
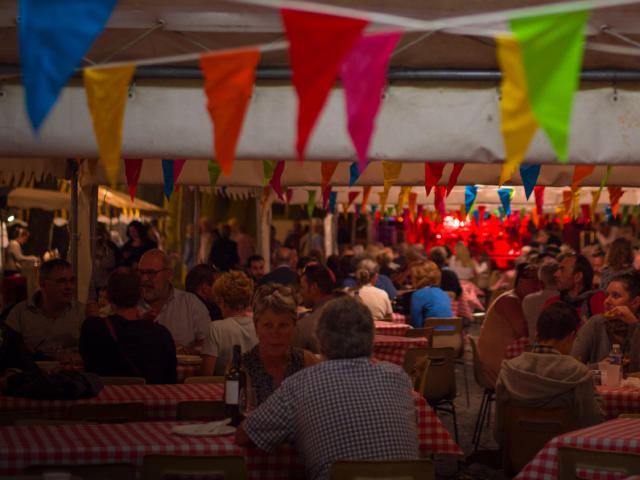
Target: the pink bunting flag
(364, 74)
(317, 45)
(288, 195)
(132, 169)
(177, 170)
(352, 197)
(432, 175)
(275, 180)
(440, 192)
(453, 178)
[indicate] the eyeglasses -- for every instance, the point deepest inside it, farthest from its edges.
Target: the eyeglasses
(151, 273)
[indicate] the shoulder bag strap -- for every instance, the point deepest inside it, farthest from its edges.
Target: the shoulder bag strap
(135, 369)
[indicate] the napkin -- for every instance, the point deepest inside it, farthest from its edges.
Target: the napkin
(221, 427)
(632, 382)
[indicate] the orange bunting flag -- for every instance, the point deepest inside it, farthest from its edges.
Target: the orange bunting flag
(390, 173)
(229, 79)
(432, 174)
(317, 45)
(453, 178)
(580, 172)
(567, 197)
(615, 194)
(106, 90)
(534, 217)
(413, 198)
(365, 196)
(327, 169)
(595, 198)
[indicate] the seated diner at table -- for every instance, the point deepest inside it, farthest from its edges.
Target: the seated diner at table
(548, 376)
(428, 300)
(273, 359)
(373, 297)
(233, 291)
(125, 344)
(618, 324)
(344, 408)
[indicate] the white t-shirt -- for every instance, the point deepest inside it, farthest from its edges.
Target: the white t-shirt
(377, 300)
(223, 335)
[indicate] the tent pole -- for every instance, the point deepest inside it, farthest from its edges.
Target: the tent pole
(93, 217)
(73, 170)
(259, 239)
(195, 232)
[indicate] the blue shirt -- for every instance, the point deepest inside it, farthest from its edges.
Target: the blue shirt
(383, 282)
(347, 409)
(429, 302)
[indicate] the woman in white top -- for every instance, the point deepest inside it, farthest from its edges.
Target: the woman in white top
(374, 298)
(462, 263)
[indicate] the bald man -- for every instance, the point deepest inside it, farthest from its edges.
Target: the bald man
(182, 313)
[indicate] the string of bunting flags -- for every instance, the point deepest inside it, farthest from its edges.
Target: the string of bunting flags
(540, 59)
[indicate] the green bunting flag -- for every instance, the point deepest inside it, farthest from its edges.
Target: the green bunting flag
(605, 179)
(311, 205)
(214, 172)
(552, 47)
(269, 167)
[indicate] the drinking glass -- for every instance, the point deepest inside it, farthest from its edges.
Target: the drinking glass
(247, 400)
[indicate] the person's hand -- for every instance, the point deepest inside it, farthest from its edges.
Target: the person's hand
(182, 350)
(623, 313)
(92, 309)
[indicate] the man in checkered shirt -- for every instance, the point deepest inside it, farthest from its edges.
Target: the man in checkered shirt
(345, 408)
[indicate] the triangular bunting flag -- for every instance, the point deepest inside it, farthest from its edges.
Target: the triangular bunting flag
(54, 37)
(311, 204)
(390, 172)
(539, 194)
(358, 209)
(352, 197)
(214, 172)
(266, 191)
(580, 172)
(615, 193)
(576, 202)
(288, 195)
(529, 175)
(453, 178)
(566, 200)
(606, 178)
(268, 167)
(229, 79)
(365, 195)
(432, 175)
(470, 192)
(354, 174)
(327, 170)
(332, 201)
(625, 213)
(106, 90)
(440, 191)
(413, 198)
(505, 195)
(518, 124)
(178, 165)
(403, 197)
(317, 45)
(607, 210)
(276, 178)
(364, 74)
(132, 169)
(167, 173)
(326, 193)
(552, 47)
(383, 200)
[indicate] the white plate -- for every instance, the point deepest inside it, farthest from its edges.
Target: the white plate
(211, 429)
(189, 359)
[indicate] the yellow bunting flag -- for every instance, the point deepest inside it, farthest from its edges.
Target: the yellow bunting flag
(518, 122)
(615, 193)
(403, 197)
(580, 172)
(383, 201)
(413, 198)
(595, 197)
(390, 173)
(567, 198)
(576, 202)
(106, 96)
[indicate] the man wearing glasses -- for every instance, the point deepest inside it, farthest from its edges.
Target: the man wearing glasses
(181, 312)
(50, 321)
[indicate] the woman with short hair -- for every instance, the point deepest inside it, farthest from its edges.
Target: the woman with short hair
(273, 359)
(428, 300)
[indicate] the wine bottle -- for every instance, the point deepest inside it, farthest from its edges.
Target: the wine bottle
(234, 381)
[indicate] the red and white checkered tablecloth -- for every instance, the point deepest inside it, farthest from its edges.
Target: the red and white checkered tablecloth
(518, 347)
(129, 443)
(393, 349)
(160, 401)
(185, 371)
(619, 435)
(392, 329)
(619, 400)
(399, 318)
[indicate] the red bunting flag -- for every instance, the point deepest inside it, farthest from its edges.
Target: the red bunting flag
(288, 195)
(229, 79)
(615, 194)
(275, 179)
(539, 193)
(364, 74)
(352, 197)
(327, 169)
(586, 213)
(453, 178)
(432, 175)
(440, 192)
(580, 172)
(177, 170)
(326, 192)
(317, 45)
(132, 169)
